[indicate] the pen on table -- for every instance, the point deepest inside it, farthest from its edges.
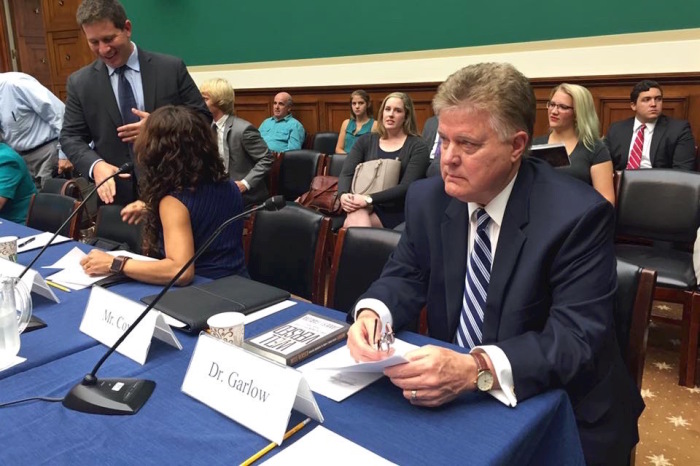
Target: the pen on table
(268, 448)
(24, 243)
(56, 285)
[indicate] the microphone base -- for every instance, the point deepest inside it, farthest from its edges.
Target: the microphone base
(110, 396)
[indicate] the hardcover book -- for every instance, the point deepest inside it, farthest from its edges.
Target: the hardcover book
(294, 341)
(554, 154)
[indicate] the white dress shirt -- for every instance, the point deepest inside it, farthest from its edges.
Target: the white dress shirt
(646, 148)
(502, 368)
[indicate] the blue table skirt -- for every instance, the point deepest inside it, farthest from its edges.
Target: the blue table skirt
(173, 428)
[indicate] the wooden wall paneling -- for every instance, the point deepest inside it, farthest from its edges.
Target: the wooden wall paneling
(34, 59)
(541, 119)
(253, 110)
(69, 52)
(28, 20)
(5, 58)
(60, 14)
(306, 110)
(336, 113)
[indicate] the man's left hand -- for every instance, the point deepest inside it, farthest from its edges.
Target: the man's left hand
(434, 375)
(129, 133)
(64, 165)
(241, 187)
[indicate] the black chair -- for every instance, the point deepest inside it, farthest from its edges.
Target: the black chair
(633, 302)
(297, 169)
(115, 231)
(360, 256)
(660, 206)
(77, 189)
(48, 211)
(325, 143)
(334, 164)
(287, 249)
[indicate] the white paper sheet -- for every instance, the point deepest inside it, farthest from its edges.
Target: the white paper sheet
(39, 241)
(11, 362)
(345, 363)
(73, 257)
(252, 317)
(73, 275)
(322, 447)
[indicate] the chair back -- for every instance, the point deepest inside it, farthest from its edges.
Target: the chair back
(325, 143)
(48, 211)
(111, 227)
(287, 249)
(360, 256)
(297, 169)
(77, 188)
(633, 301)
(659, 205)
(334, 164)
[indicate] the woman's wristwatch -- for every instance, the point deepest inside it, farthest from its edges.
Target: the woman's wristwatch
(368, 200)
(118, 264)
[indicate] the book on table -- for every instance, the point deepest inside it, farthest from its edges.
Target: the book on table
(298, 339)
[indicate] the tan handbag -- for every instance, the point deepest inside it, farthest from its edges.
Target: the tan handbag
(375, 176)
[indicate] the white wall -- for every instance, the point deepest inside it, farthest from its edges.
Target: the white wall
(644, 53)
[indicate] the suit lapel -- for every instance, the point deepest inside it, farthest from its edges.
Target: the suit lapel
(659, 131)
(106, 92)
(626, 144)
(455, 234)
(510, 242)
(148, 81)
(228, 127)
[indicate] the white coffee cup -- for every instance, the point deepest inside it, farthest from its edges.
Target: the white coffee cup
(228, 326)
(8, 248)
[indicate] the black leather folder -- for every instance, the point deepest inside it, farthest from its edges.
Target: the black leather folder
(554, 154)
(194, 304)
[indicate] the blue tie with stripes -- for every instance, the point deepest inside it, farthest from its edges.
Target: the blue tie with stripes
(476, 285)
(127, 101)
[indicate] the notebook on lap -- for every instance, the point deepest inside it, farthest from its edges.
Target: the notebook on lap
(554, 154)
(194, 304)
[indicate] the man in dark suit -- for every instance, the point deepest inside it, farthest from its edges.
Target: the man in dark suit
(246, 157)
(515, 263)
(650, 139)
(109, 99)
(432, 140)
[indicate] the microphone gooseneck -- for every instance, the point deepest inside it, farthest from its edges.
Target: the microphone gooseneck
(126, 168)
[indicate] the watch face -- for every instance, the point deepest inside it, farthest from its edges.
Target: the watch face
(484, 381)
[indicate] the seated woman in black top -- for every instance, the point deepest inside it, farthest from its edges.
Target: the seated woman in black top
(396, 138)
(186, 196)
(574, 123)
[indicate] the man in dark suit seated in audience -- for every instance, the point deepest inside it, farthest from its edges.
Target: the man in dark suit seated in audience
(650, 139)
(432, 140)
(109, 99)
(515, 263)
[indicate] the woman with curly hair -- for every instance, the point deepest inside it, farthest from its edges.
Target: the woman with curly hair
(186, 195)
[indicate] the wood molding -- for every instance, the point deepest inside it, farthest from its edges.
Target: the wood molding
(323, 108)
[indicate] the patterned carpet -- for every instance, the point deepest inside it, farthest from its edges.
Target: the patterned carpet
(670, 425)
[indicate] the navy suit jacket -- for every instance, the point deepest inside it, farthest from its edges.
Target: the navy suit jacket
(429, 133)
(92, 112)
(672, 144)
(550, 299)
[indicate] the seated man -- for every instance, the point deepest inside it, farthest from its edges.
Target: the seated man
(650, 139)
(282, 132)
(245, 154)
(530, 293)
(432, 139)
(16, 185)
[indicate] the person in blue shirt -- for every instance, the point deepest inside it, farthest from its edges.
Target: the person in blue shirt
(282, 132)
(31, 118)
(361, 122)
(185, 196)
(16, 185)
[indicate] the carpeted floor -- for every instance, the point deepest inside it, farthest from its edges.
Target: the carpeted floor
(670, 425)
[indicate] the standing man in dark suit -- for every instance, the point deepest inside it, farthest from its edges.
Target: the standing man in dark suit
(515, 263)
(244, 152)
(432, 140)
(109, 99)
(650, 139)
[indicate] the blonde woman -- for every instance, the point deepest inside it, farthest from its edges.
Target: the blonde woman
(396, 138)
(574, 123)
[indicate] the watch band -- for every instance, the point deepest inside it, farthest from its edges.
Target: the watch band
(118, 264)
(480, 362)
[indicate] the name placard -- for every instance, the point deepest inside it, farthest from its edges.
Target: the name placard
(248, 388)
(108, 315)
(34, 282)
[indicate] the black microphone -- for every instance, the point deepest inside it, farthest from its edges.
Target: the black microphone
(126, 168)
(127, 396)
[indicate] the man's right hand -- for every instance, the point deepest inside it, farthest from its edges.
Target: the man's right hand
(363, 335)
(100, 172)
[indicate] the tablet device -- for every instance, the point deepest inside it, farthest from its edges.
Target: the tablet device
(554, 154)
